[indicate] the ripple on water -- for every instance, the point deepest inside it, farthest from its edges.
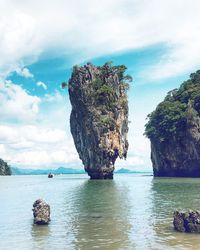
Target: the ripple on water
(130, 212)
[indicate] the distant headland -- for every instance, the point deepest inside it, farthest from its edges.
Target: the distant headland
(63, 170)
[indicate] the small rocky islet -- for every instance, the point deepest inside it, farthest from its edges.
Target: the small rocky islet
(41, 212)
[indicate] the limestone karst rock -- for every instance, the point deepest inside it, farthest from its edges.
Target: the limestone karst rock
(99, 117)
(174, 131)
(4, 168)
(41, 212)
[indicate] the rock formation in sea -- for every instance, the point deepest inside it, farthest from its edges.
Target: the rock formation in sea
(187, 222)
(41, 212)
(174, 131)
(4, 168)
(99, 117)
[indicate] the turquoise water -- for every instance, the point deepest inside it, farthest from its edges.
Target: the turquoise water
(129, 212)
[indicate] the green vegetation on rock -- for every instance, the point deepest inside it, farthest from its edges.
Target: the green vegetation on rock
(172, 115)
(105, 90)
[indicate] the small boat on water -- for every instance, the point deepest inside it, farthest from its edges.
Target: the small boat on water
(50, 175)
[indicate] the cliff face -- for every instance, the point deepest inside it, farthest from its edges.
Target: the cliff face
(178, 158)
(174, 131)
(99, 117)
(4, 168)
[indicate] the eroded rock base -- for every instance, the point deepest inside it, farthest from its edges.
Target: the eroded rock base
(94, 175)
(103, 173)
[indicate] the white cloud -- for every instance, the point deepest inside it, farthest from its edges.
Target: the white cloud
(29, 29)
(46, 135)
(41, 84)
(18, 44)
(2, 151)
(132, 162)
(55, 97)
(24, 72)
(16, 103)
(35, 134)
(37, 147)
(8, 134)
(44, 159)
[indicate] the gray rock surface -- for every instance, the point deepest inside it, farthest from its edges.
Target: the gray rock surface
(99, 117)
(187, 222)
(41, 212)
(4, 168)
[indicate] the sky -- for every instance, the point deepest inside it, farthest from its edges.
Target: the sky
(40, 41)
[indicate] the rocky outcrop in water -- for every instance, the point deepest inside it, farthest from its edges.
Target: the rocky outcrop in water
(187, 222)
(174, 131)
(41, 212)
(4, 168)
(99, 117)
(50, 175)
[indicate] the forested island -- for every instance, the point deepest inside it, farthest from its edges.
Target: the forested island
(174, 131)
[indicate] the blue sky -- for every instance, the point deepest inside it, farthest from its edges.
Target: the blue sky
(159, 42)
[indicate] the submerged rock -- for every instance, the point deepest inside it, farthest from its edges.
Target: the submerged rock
(41, 212)
(174, 131)
(4, 168)
(99, 117)
(187, 222)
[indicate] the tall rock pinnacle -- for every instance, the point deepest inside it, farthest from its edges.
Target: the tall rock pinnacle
(99, 117)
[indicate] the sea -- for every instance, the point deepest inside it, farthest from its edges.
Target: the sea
(133, 211)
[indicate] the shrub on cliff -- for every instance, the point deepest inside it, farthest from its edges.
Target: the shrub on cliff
(108, 69)
(104, 91)
(171, 116)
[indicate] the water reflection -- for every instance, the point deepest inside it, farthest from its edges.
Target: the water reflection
(100, 216)
(170, 194)
(140, 216)
(131, 212)
(40, 235)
